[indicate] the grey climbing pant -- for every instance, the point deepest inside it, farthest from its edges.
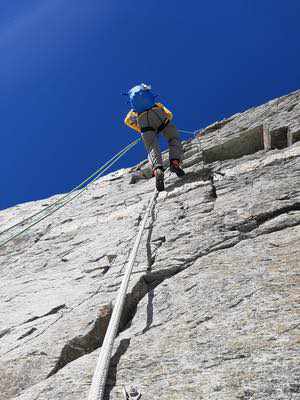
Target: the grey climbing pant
(154, 118)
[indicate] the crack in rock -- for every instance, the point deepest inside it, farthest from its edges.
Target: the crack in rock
(247, 296)
(260, 219)
(257, 220)
(28, 333)
(53, 311)
(4, 332)
(93, 338)
(85, 343)
(213, 192)
(113, 367)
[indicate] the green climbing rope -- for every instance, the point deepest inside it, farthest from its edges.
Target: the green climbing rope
(61, 203)
(57, 202)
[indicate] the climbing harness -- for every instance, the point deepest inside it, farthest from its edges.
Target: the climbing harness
(66, 199)
(131, 119)
(161, 127)
(163, 122)
(98, 383)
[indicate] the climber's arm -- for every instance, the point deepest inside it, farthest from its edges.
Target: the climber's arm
(168, 112)
(131, 121)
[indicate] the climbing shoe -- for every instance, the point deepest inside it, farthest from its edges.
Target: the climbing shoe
(159, 179)
(175, 167)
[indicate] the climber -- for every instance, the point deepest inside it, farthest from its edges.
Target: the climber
(150, 118)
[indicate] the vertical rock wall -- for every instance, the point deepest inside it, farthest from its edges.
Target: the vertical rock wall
(212, 310)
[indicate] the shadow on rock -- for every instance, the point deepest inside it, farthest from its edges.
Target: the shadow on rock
(113, 367)
(149, 311)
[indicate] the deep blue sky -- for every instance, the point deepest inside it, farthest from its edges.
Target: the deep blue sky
(64, 65)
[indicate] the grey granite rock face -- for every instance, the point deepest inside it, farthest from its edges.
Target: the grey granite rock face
(212, 311)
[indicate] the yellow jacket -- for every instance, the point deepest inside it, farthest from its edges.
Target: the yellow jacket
(131, 117)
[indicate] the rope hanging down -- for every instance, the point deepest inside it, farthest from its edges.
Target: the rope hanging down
(60, 203)
(99, 379)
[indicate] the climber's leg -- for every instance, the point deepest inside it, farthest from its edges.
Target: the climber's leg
(175, 149)
(151, 143)
(150, 139)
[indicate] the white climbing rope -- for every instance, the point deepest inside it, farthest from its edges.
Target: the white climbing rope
(99, 379)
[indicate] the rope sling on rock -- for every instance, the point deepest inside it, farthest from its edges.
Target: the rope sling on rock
(99, 379)
(97, 389)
